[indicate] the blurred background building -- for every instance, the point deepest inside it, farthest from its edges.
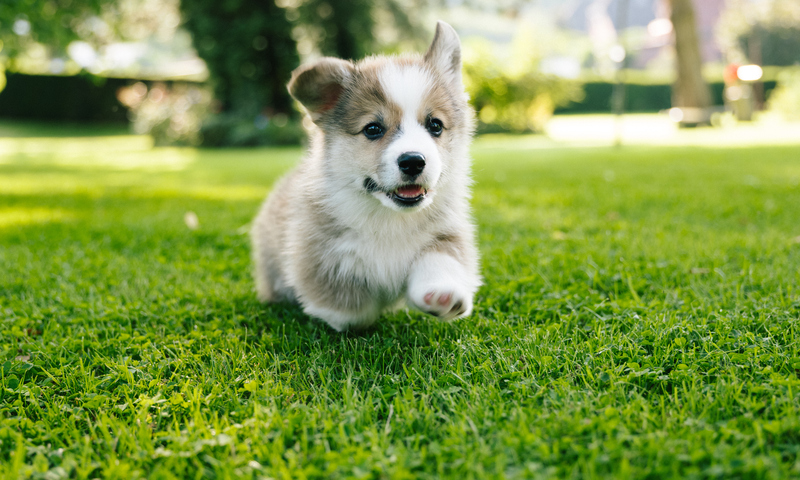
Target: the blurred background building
(213, 72)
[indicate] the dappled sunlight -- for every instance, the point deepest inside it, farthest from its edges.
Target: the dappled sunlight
(125, 185)
(658, 129)
(21, 216)
(120, 152)
(604, 128)
(129, 165)
(207, 192)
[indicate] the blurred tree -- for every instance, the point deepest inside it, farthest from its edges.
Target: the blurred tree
(343, 28)
(347, 28)
(512, 94)
(54, 23)
(772, 44)
(252, 46)
(767, 32)
(690, 89)
(249, 50)
(35, 34)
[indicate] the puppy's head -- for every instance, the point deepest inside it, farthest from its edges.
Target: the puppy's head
(394, 128)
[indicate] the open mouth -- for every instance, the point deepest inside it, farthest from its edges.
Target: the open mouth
(408, 195)
(405, 196)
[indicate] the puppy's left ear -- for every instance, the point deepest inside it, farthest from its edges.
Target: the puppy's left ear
(444, 54)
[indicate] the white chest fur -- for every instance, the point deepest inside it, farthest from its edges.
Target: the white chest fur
(382, 257)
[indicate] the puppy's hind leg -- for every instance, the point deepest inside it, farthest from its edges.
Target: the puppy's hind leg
(269, 279)
(440, 285)
(267, 276)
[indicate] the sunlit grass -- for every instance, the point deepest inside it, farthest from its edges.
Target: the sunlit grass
(658, 129)
(121, 152)
(640, 318)
(13, 217)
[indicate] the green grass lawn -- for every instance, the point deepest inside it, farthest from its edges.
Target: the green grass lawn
(639, 319)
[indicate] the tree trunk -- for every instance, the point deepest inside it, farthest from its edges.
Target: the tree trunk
(690, 89)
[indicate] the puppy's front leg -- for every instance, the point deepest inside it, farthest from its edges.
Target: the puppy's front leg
(439, 285)
(341, 320)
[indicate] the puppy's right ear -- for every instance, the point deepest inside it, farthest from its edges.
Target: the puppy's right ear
(319, 85)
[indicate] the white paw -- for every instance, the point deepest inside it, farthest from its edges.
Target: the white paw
(440, 286)
(445, 303)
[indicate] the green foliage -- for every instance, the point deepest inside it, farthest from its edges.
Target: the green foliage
(232, 129)
(777, 44)
(639, 319)
(765, 32)
(347, 28)
(650, 97)
(517, 100)
(50, 22)
(172, 115)
(249, 50)
(341, 28)
(785, 98)
(177, 114)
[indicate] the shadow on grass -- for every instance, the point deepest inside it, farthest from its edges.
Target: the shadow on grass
(396, 324)
(284, 328)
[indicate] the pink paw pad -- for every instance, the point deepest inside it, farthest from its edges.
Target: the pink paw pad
(444, 299)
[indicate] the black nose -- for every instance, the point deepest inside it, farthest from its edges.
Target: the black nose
(411, 163)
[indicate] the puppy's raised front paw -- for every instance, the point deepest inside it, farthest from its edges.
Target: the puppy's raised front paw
(439, 285)
(446, 304)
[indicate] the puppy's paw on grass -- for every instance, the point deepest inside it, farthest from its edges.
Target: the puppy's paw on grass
(447, 304)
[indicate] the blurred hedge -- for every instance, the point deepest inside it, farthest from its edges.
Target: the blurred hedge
(79, 98)
(162, 109)
(91, 98)
(638, 97)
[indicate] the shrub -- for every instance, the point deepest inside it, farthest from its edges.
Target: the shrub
(785, 98)
(514, 100)
(180, 115)
(237, 130)
(172, 115)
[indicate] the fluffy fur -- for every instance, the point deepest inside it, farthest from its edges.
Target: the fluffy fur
(339, 234)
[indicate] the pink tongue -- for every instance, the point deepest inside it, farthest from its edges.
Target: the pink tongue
(410, 191)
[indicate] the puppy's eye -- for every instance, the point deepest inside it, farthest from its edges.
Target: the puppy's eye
(435, 126)
(374, 131)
